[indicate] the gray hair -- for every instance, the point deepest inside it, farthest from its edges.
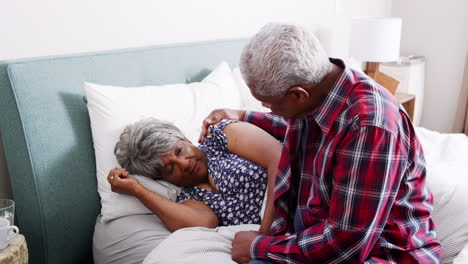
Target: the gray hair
(281, 56)
(143, 143)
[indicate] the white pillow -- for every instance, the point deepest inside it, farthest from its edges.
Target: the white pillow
(447, 178)
(462, 257)
(248, 101)
(112, 108)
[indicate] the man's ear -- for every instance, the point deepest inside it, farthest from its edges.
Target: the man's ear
(298, 93)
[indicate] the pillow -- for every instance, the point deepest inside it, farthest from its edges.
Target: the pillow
(112, 108)
(127, 240)
(447, 178)
(248, 101)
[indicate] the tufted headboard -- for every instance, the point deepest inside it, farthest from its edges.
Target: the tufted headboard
(47, 137)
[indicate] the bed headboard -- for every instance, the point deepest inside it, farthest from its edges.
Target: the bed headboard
(47, 137)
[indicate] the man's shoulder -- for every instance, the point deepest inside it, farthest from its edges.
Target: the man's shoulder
(369, 104)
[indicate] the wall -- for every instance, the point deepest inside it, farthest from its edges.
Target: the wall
(54, 27)
(439, 31)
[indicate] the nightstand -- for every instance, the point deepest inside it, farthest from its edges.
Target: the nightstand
(16, 252)
(407, 100)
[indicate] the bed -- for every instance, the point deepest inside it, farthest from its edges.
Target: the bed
(45, 128)
(46, 133)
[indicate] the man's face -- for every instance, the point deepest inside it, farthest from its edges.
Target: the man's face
(286, 105)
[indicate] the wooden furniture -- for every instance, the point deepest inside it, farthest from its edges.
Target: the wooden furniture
(407, 100)
(372, 69)
(16, 252)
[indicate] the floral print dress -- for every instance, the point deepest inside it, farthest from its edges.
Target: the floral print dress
(241, 183)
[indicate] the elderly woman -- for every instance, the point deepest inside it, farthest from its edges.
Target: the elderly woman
(224, 179)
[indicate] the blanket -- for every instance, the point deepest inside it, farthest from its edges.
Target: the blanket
(197, 245)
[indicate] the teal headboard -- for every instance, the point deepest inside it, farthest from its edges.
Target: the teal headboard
(47, 138)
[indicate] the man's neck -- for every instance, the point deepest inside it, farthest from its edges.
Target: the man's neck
(319, 93)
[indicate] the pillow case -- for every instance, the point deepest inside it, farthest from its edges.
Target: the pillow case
(447, 179)
(128, 239)
(248, 101)
(111, 108)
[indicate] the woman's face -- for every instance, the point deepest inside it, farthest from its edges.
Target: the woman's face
(185, 165)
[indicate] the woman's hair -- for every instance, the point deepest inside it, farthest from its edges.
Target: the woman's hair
(143, 143)
(281, 56)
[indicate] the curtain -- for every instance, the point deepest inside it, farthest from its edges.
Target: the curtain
(461, 117)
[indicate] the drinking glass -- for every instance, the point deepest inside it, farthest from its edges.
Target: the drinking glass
(7, 210)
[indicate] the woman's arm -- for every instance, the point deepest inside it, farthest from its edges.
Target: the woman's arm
(174, 215)
(254, 144)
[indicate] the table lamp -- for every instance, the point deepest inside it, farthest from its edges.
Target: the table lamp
(375, 40)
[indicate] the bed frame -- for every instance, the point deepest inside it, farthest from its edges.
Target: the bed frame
(46, 134)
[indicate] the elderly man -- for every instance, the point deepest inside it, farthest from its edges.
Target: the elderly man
(350, 185)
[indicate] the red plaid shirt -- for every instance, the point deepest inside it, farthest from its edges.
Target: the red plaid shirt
(350, 184)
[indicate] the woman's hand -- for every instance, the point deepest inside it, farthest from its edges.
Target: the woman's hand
(217, 115)
(174, 215)
(122, 182)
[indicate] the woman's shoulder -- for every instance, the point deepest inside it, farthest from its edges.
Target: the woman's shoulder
(216, 139)
(219, 126)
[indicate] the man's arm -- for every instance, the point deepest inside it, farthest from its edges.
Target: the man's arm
(366, 179)
(273, 124)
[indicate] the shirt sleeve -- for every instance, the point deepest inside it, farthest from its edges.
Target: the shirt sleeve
(366, 179)
(271, 123)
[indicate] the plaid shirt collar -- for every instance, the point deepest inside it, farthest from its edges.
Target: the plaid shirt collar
(326, 114)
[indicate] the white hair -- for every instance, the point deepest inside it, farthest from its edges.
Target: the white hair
(143, 143)
(281, 56)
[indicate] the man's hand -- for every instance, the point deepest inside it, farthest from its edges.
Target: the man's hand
(241, 246)
(216, 116)
(122, 182)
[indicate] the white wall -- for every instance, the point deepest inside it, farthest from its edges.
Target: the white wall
(437, 30)
(54, 27)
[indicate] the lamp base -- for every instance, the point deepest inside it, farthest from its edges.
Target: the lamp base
(381, 78)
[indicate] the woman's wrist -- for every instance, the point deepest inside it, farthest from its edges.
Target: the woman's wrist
(138, 189)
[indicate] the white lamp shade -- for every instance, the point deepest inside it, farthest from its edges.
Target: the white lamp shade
(375, 39)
